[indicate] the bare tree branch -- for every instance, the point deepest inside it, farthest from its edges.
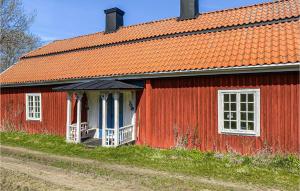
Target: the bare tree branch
(15, 38)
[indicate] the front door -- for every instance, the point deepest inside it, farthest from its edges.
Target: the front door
(110, 113)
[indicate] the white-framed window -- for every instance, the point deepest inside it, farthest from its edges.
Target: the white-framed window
(33, 106)
(239, 112)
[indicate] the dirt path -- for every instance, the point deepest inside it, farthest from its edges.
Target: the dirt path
(79, 181)
(13, 180)
(64, 178)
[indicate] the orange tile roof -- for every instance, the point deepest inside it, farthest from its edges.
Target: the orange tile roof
(230, 17)
(263, 44)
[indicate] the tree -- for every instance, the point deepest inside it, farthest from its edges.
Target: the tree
(15, 38)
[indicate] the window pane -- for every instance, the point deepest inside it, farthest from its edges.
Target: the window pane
(250, 97)
(233, 97)
(226, 106)
(250, 107)
(243, 116)
(227, 115)
(226, 124)
(251, 116)
(250, 125)
(243, 107)
(243, 97)
(243, 125)
(233, 106)
(233, 124)
(226, 97)
(233, 115)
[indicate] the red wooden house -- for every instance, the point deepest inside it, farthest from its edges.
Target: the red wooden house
(223, 80)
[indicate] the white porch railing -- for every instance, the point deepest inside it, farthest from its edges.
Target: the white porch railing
(126, 134)
(73, 133)
(109, 137)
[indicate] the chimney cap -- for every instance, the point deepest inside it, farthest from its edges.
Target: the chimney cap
(115, 9)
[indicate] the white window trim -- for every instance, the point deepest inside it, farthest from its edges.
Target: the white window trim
(238, 131)
(27, 107)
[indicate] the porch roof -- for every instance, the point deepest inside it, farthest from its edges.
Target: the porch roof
(98, 85)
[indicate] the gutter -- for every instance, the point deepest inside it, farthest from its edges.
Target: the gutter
(289, 67)
(218, 71)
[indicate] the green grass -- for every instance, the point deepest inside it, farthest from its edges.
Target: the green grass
(273, 171)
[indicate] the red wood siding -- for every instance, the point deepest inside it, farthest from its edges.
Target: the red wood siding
(189, 106)
(54, 107)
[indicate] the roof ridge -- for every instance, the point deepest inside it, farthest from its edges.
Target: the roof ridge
(247, 6)
(46, 44)
(171, 18)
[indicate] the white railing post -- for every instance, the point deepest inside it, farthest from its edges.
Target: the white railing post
(104, 118)
(69, 113)
(116, 96)
(78, 124)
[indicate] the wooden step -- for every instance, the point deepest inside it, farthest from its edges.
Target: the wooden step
(92, 142)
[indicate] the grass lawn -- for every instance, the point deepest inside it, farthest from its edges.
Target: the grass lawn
(282, 172)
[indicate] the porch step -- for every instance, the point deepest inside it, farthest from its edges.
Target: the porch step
(128, 143)
(92, 142)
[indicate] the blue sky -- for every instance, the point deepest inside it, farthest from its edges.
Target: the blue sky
(60, 19)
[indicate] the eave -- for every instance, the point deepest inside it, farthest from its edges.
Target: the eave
(286, 67)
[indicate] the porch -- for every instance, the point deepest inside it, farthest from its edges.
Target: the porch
(110, 112)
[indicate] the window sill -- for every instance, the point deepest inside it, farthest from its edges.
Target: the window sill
(240, 134)
(33, 119)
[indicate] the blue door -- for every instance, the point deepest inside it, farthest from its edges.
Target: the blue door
(100, 117)
(110, 113)
(121, 110)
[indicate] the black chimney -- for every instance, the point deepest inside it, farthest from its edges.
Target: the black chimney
(189, 9)
(114, 19)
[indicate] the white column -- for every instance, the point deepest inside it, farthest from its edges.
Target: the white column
(116, 96)
(104, 118)
(133, 99)
(78, 125)
(69, 114)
